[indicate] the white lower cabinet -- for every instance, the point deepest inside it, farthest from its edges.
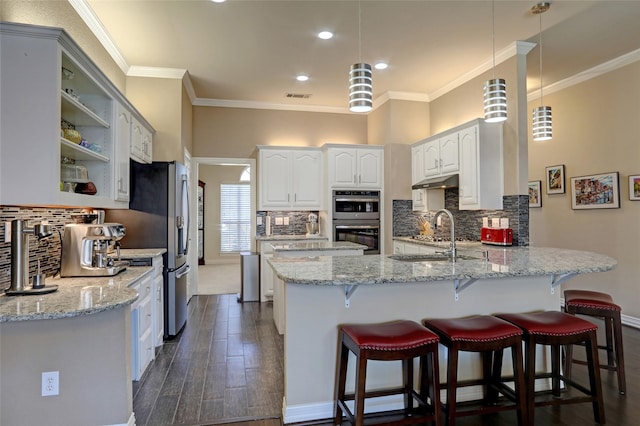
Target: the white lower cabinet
(403, 247)
(142, 348)
(266, 274)
(158, 302)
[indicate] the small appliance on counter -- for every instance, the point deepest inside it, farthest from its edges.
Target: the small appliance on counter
(497, 236)
(313, 227)
(20, 259)
(87, 250)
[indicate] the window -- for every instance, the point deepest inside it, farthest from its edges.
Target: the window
(235, 218)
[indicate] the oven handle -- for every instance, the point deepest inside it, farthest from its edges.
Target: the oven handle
(356, 227)
(367, 200)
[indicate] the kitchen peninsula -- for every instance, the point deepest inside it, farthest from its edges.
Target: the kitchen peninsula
(82, 331)
(324, 291)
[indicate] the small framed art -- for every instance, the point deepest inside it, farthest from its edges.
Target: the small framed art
(535, 193)
(595, 191)
(555, 179)
(634, 187)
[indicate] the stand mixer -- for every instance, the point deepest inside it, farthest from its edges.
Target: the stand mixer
(87, 250)
(312, 226)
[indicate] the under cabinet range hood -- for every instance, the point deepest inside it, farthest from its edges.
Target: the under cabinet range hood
(440, 182)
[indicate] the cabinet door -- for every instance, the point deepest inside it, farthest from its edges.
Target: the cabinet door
(369, 168)
(449, 160)
(137, 148)
(307, 179)
(468, 190)
(431, 158)
(417, 164)
(398, 247)
(342, 167)
(275, 179)
(122, 149)
(158, 317)
(418, 197)
(147, 145)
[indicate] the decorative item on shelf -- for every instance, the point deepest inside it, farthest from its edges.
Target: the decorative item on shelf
(495, 89)
(360, 80)
(67, 74)
(88, 188)
(542, 119)
(72, 135)
(84, 217)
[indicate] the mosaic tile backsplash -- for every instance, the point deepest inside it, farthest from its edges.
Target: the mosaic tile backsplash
(297, 222)
(46, 250)
(468, 222)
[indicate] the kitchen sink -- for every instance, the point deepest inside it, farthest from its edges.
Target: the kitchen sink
(436, 257)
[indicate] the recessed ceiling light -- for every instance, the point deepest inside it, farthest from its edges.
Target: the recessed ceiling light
(218, 1)
(381, 66)
(302, 77)
(325, 35)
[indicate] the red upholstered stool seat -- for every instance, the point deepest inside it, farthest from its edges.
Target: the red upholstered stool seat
(489, 336)
(600, 305)
(556, 329)
(392, 341)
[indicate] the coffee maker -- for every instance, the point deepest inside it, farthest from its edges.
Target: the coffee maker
(88, 249)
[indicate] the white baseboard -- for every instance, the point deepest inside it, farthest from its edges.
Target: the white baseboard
(131, 422)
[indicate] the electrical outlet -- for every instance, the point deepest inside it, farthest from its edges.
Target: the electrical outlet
(286, 220)
(439, 221)
(50, 383)
(258, 220)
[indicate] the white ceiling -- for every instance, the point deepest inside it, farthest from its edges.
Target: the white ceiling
(251, 50)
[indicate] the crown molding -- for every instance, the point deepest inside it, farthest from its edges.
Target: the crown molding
(91, 20)
(224, 103)
(598, 70)
(515, 48)
(156, 72)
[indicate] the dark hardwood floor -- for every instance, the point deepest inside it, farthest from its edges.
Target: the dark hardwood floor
(227, 367)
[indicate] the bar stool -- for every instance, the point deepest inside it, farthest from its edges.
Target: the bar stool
(600, 305)
(489, 336)
(553, 328)
(392, 341)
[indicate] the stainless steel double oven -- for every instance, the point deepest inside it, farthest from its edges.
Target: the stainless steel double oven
(356, 218)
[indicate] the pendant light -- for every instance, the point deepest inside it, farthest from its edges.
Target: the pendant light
(542, 122)
(360, 81)
(495, 90)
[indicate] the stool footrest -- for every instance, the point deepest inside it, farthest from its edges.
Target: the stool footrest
(383, 392)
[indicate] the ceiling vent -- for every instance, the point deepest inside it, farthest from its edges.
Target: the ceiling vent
(298, 95)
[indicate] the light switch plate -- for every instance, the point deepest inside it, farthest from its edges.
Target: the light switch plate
(7, 232)
(258, 220)
(286, 220)
(278, 220)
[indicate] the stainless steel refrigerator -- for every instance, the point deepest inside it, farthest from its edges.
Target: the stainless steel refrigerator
(158, 217)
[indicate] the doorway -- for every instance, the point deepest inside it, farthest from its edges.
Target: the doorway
(220, 228)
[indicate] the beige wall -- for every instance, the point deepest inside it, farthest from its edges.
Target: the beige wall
(160, 100)
(213, 176)
(187, 121)
(59, 13)
(235, 132)
(596, 129)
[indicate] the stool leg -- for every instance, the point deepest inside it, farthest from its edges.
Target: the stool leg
(555, 370)
(608, 329)
(495, 375)
(519, 382)
(594, 377)
(361, 378)
(568, 364)
(530, 376)
(452, 384)
(407, 384)
(430, 384)
(617, 333)
(340, 382)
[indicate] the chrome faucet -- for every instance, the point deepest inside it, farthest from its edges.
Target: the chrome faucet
(434, 223)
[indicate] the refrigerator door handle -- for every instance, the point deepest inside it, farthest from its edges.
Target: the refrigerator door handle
(186, 220)
(183, 271)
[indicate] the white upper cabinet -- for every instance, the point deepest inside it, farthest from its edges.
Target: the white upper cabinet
(355, 167)
(290, 179)
(141, 142)
(123, 136)
(439, 157)
(481, 167)
(57, 106)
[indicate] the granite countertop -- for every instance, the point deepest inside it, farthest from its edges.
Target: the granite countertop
(378, 269)
(141, 253)
(290, 237)
(74, 297)
(316, 245)
(440, 244)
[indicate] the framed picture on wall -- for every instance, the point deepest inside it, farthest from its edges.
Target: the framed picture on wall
(535, 194)
(555, 179)
(595, 192)
(634, 187)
